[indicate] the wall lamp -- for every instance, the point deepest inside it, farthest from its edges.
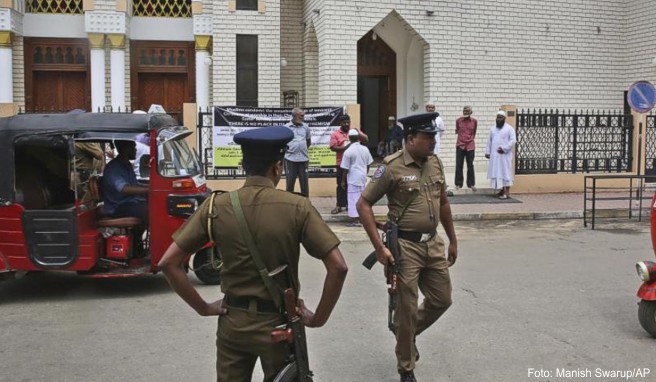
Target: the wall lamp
(430, 13)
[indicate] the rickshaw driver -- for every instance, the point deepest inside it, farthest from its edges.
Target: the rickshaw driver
(122, 193)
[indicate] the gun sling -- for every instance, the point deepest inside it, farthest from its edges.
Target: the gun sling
(255, 254)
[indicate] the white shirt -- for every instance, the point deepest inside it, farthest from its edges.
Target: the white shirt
(356, 159)
(141, 151)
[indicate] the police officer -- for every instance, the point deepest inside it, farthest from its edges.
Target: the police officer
(413, 180)
(279, 222)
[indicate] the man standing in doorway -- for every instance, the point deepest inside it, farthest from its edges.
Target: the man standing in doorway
(465, 144)
(339, 142)
(439, 127)
(296, 157)
(499, 152)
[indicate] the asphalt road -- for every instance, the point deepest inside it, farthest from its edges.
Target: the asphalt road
(532, 299)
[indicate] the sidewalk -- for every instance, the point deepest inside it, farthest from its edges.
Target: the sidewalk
(532, 207)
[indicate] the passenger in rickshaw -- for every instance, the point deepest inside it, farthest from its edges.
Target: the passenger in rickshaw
(89, 161)
(122, 193)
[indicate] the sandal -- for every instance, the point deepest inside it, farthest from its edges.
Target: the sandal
(336, 210)
(503, 196)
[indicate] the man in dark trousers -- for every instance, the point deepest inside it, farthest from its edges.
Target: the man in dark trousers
(297, 155)
(465, 145)
(279, 222)
(413, 180)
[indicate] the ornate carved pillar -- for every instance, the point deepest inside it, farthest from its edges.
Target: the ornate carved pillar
(6, 68)
(117, 59)
(97, 47)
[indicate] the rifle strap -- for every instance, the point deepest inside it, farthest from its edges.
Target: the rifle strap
(214, 264)
(422, 174)
(252, 249)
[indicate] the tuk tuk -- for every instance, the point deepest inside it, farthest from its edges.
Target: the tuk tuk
(51, 215)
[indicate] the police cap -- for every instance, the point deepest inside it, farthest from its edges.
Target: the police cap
(264, 142)
(423, 123)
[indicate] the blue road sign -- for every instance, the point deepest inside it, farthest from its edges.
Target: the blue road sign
(642, 96)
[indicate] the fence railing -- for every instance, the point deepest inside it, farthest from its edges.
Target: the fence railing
(551, 141)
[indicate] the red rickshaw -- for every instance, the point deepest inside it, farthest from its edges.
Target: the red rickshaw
(51, 215)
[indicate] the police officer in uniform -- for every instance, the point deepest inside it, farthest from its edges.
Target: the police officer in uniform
(279, 222)
(413, 180)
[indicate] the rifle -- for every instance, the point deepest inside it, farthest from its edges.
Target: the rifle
(391, 239)
(293, 333)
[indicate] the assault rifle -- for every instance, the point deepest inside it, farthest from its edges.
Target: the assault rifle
(391, 239)
(293, 333)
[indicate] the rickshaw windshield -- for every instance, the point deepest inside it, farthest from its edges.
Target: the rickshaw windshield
(174, 157)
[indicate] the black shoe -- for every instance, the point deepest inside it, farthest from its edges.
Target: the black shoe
(408, 376)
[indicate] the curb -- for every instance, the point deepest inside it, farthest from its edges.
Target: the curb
(489, 216)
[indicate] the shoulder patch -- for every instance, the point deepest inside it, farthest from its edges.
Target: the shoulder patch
(379, 172)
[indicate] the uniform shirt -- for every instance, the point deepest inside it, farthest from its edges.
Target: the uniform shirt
(87, 154)
(356, 159)
(466, 130)
(279, 222)
(117, 175)
(297, 150)
(399, 179)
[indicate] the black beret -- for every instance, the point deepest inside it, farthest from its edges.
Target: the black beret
(424, 123)
(265, 141)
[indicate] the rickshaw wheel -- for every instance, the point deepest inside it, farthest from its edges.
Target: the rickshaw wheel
(289, 373)
(647, 316)
(203, 268)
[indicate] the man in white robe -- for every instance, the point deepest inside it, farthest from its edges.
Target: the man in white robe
(439, 126)
(499, 151)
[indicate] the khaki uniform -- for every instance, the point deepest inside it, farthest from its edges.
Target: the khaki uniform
(422, 265)
(86, 164)
(279, 221)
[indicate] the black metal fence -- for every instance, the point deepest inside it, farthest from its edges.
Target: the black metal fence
(650, 145)
(206, 152)
(550, 142)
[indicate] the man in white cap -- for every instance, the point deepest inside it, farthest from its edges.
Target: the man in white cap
(355, 164)
(439, 126)
(499, 152)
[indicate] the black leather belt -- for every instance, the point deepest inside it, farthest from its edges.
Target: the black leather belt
(244, 302)
(417, 237)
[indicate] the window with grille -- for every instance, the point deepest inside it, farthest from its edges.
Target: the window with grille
(161, 8)
(246, 70)
(247, 5)
(70, 7)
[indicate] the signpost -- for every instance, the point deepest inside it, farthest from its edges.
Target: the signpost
(641, 97)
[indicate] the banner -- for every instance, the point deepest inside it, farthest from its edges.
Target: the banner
(228, 121)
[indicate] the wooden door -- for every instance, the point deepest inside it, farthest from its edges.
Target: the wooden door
(166, 89)
(59, 91)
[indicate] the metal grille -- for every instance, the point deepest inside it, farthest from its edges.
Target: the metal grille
(162, 8)
(650, 145)
(71, 7)
(206, 152)
(559, 142)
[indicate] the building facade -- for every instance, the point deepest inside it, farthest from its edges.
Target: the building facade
(389, 56)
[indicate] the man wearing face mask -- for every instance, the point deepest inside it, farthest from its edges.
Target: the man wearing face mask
(499, 152)
(466, 133)
(339, 142)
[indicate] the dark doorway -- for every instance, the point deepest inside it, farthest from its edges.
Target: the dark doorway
(376, 86)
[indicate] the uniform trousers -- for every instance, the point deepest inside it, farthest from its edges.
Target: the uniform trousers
(298, 170)
(422, 266)
(242, 337)
(341, 189)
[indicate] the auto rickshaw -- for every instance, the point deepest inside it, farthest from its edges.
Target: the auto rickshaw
(647, 273)
(51, 215)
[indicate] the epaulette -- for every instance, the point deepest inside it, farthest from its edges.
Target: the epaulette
(388, 159)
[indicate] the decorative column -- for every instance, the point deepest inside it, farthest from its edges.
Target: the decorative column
(117, 58)
(6, 71)
(97, 46)
(203, 77)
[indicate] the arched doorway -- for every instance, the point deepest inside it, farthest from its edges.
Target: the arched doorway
(376, 85)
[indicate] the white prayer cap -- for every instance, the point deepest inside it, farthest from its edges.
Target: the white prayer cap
(501, 113)
(391, 118)
(353, 133)
(431, 103)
